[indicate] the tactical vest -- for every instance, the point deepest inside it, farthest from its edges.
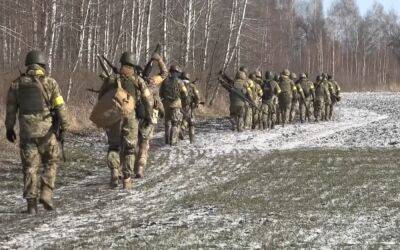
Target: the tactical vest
(305, 85)
(269, 90)
(30, 97)
(286, 86)
(239, 85)
(171, 89)
(320, 90)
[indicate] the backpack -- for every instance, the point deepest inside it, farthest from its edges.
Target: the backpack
(112, 107)
(171, 89)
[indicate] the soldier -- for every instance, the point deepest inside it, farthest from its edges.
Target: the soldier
(190, 109)
(285, 97)
(248, 116)
(123, 135)
(271, 90)
(36, 98)
(328, 100)
(297, 96)
(305, 103)
(321, 94)
(174, 96)
(335, 95)
(238, 106)
(257, 94)
(146, 129)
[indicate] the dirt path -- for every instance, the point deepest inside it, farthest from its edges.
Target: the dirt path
(187, 197)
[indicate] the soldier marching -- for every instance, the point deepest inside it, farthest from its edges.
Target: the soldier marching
(130, 104)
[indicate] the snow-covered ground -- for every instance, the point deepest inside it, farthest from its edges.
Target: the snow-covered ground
(157, 210)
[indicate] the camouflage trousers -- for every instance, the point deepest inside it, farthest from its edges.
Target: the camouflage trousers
(269, 114)
(294, 110)
(237, 117)
(37, 152)
(248, 116)
(146, 131)
(285, 103)
(188, 123)
(173, 121)
(122, 139)
(331, 109)
(257, 118)
(319, 109)
(327, 113)
(305, 109)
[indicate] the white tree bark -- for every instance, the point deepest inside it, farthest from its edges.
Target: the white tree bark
(148, 28)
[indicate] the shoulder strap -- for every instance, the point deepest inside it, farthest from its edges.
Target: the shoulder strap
(44, 94)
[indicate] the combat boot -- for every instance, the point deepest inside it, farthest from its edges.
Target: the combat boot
(46, 198)
(127, 184)
(114, 178)
(32, 206)
(139, 173)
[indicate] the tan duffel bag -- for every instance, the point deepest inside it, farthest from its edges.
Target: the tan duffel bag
(112, 107)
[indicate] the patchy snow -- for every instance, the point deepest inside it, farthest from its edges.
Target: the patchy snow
(362, 121)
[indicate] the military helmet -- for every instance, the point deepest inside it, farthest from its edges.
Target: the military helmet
(303, 75)
(286, 72)
(35, 57)
(277, 78)
(258, 74)
(319, 78)
(127, 58)
(269, 75)
(241, 75)
(324, 75)
(293, 76)
(252, 76)
(175, 68)
(244, 69)
(186, 76)
(330, 77)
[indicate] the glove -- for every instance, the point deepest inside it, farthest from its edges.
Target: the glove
(11, 136)
(156, 57)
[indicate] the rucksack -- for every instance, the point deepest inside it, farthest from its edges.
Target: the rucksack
(112, 107)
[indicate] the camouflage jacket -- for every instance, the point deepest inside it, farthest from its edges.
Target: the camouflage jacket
(33, 96)
(173, 92)
(271, 89)
(134, 85)
(287, 86)
(242, 85)
(307, 87)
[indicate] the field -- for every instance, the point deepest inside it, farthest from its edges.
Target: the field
(332, 184)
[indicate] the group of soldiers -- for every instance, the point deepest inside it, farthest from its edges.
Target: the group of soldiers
(262, 103)
(35, 98)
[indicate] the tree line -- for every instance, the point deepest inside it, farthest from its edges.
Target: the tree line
(206, 36)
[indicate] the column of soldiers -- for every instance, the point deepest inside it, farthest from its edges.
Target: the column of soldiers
(259, 103)
(35, 99)
(137, 102)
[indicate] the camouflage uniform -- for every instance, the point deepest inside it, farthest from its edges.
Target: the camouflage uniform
(146, 129)
(174, 96)
(36, 99)
(237, 107)
(328, 100)
(298, 95)
(123, 135)
(335, 95)
(271, 90)
(193, 103)
(285, 98)
(321, 95)
(257, 95)
(306, 102)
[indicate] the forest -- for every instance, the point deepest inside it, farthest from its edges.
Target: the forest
(204, 37)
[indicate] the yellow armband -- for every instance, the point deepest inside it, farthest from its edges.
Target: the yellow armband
(58, 102)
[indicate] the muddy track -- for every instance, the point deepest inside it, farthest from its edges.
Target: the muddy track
(193, 195)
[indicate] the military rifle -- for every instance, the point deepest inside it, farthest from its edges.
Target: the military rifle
(149, 66)
(103, 66)
(58, 132)
(111, 65)
(227, 83)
